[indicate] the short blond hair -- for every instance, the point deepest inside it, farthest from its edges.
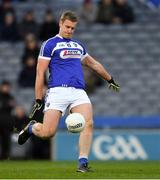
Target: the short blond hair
(70, 15)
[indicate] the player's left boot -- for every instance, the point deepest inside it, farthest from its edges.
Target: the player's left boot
(24, 135)
(83, 168)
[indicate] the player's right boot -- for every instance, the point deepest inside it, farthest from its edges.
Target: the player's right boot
(24, 135)
(83, 168)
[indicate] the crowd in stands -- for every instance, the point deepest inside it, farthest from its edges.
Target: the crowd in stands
(12, 31)
(30, 32)
(107, 12)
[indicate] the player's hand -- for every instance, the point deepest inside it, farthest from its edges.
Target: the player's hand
(114, 86)
(36, 107)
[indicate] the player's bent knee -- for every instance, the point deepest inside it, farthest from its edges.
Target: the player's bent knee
(89, 124)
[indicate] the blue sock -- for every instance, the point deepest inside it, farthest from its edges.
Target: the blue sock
(82, 161)
(30, 129)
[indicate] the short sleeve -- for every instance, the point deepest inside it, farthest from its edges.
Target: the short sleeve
(45, 51)
(84, 52)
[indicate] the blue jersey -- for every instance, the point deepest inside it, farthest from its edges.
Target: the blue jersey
(65, 56)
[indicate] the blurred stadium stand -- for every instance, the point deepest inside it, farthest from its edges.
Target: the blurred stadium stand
(130, 53)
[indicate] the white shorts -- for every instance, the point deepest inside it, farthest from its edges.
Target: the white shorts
(61, 98)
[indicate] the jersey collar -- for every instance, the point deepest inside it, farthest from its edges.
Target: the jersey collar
(59, 36)
(63, 37)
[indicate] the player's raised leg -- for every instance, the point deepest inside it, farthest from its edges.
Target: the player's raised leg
(85, 138)
(43, 130)
(49, 126)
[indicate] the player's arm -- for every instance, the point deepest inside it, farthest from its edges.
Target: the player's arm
(101, 71)
(97, 67)
(42, 66)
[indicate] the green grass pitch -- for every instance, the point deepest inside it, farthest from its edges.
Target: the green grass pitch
(67, 170)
